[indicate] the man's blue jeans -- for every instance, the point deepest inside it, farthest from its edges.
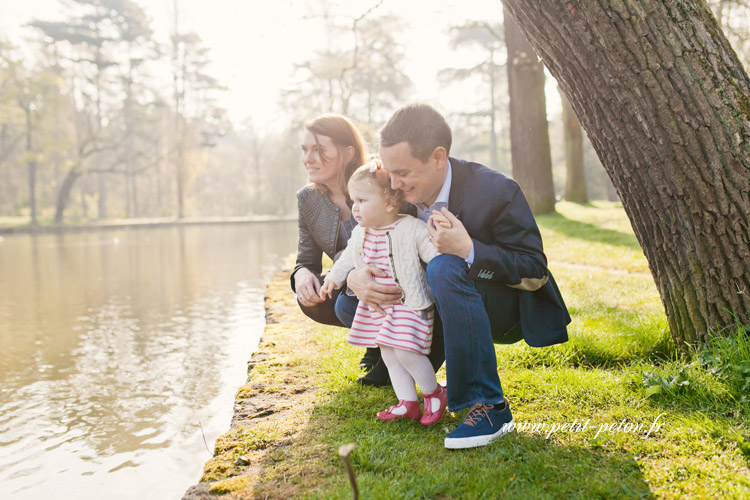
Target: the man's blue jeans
(475, 314)
(345, 308)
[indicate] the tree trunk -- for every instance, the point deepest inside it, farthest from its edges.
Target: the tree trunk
(666, 104)
(32, 167)
(575, 180)
(529, 136)
(494, 161)
(64, 193)
(102, 205)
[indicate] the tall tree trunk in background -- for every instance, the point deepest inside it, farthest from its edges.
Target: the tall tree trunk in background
(494, 159)
(63, 193)
(32, 164)
(666, 104)
(529, 135)
(575, 179)
(102, 200)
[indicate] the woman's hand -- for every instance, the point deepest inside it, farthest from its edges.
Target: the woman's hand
(307, 286)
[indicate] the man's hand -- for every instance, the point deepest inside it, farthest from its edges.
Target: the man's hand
(448, 234)
(308, 287)
(373, 294)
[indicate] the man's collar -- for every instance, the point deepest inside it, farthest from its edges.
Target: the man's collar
(444, 194)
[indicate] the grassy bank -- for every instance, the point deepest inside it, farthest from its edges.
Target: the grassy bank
(613, 413)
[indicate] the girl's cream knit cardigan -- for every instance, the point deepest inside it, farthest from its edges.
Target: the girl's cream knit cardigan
(408, 243)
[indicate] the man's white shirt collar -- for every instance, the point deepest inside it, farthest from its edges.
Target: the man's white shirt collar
(443, 196)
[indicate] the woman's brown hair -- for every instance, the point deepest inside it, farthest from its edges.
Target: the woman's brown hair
(343, 133)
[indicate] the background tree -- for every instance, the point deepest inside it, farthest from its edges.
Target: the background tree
(734, 18)
(529, 136)
(575, 178)
(664, 99)
(489, 39)
(197, 118)
(136, 38)
(88, 34)
(358, 74)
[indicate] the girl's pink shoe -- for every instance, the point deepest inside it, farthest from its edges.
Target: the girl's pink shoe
(429, 418)
(412, 412)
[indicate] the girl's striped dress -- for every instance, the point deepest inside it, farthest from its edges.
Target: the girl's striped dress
(401, 327)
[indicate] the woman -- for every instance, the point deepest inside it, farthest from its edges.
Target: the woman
(332, 149)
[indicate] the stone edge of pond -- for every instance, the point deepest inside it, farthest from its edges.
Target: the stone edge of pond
(141, 223)
(278, 394)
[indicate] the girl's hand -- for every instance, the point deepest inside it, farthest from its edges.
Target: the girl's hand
(448, 234)
(307, 286)
(438, 219)
(326, 290)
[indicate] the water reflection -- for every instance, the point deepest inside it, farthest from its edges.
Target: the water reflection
(118, 346)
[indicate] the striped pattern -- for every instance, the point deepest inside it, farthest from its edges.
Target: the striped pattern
(401, 327)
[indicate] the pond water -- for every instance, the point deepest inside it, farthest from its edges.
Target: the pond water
(122, 351)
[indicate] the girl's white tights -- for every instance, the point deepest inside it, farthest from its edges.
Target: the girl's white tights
(404, 368)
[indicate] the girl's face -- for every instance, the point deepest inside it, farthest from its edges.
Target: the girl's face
(370, 209)
(319, 170)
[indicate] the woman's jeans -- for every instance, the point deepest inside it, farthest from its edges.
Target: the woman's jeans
(475, 315)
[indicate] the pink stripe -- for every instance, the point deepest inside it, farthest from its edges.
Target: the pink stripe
(423, 352)
(364, 344)
(400, 343)
(411, 335)
(401, 328)
(362, 337)
(366, 323)
(374, 246)
(408, 322)
(365, 330)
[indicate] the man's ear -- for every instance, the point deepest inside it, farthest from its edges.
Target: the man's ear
(439, 156)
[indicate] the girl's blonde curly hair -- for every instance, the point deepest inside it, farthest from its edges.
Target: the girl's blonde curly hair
(373, 171)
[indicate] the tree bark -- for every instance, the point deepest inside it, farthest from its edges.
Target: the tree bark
(575, 179)
(666, 104)
(529, 135)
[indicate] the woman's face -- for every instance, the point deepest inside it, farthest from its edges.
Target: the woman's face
(320, 170)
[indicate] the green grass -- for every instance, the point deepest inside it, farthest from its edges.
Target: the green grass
(619, 368)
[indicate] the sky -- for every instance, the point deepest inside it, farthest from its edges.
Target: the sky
(255, 43)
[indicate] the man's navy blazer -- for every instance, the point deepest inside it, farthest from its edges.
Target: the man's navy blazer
(508, 247)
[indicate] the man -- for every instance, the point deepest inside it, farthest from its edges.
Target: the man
(492, 283)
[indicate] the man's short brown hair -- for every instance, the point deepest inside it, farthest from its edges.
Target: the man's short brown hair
(420, 125)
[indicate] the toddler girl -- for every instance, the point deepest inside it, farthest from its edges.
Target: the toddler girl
(396, 244)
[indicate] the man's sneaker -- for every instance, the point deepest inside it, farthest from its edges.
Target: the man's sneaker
(404, 410)
(431, 417)
(482, 425)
